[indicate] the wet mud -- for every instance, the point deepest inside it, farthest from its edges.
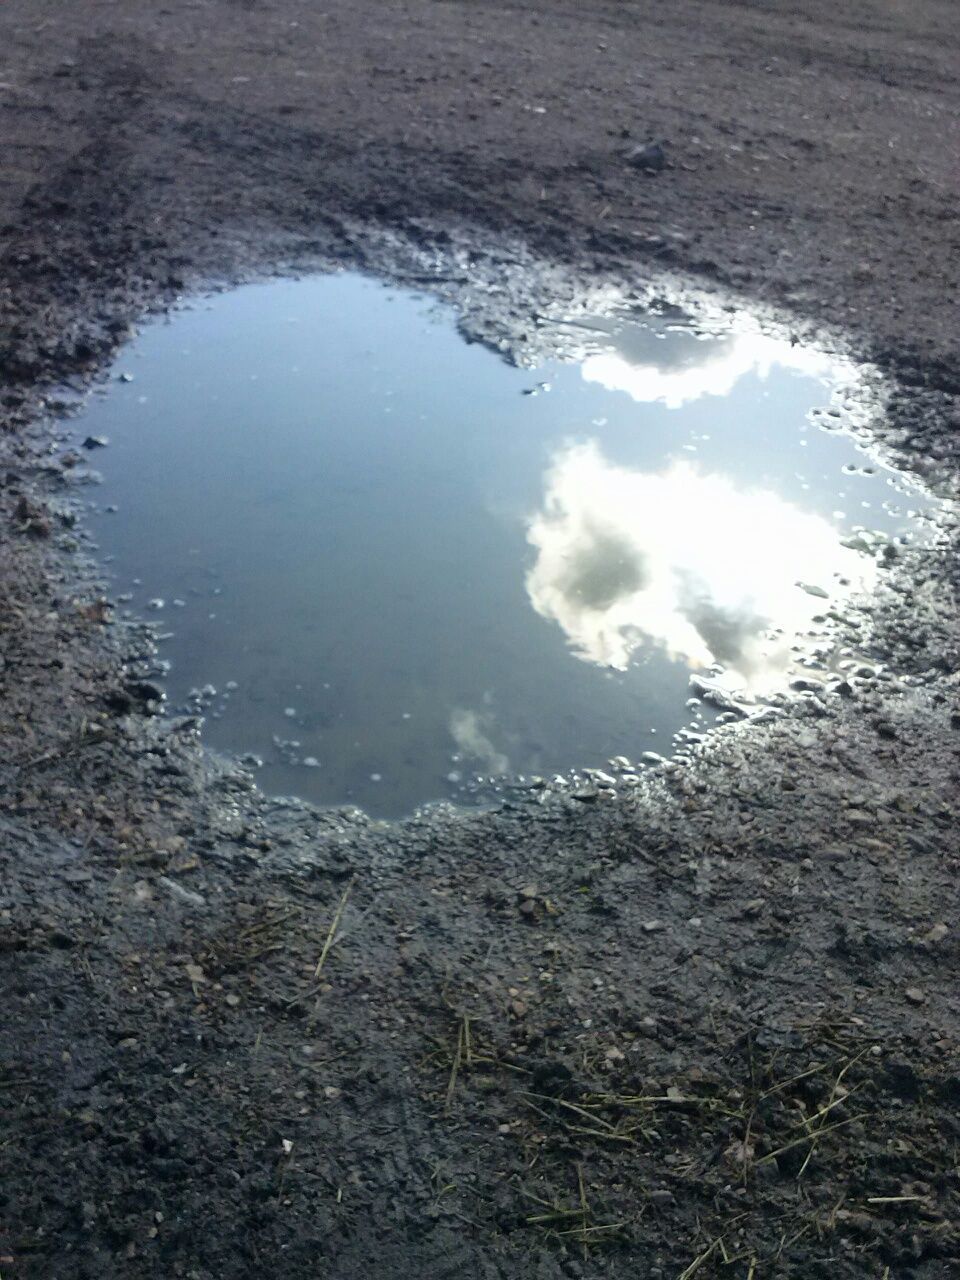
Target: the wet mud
(707, 1028)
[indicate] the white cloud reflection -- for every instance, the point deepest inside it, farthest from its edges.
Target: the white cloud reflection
(467, 728)
(689, 561)
(713, 367)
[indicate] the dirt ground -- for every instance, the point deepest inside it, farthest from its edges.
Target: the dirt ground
(710, 1028)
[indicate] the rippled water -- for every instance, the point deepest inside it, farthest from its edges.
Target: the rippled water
(389, 562)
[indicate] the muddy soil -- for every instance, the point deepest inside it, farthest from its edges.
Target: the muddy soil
(710, 1028)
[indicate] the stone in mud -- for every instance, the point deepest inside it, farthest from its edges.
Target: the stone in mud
(766, 715)
(650, 157)
(600, 778)
(936, 933)
(859, 818)
(806, 685)
(144, 691)
(714, 695)
(40, 527)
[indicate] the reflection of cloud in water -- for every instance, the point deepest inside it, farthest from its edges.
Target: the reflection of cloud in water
(717, 365)
(685, 560)
(467, 730)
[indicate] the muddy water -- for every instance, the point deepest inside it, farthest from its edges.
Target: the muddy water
(392, 567)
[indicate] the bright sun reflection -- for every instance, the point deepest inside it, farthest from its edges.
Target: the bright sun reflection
(687, 561)
(720, 364)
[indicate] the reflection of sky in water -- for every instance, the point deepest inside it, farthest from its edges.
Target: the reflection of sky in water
(689, 561)
(674, 373)
(398, 570)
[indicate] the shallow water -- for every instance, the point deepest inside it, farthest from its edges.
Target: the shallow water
(390, 562)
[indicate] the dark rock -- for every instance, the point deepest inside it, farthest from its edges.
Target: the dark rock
(135, 695)
(552, 1077)
(144, 691)
(118, 701)
(95, 442)
(650, 157)
(901, 1079)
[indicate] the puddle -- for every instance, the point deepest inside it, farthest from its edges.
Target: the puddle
(392, 566)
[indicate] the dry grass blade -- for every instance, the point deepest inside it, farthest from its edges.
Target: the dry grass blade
(832, 1102)
(572, 1106)
(332, 932)
(809, 1137)
(600, 1133)
(554, 1215)
(463, 1052)
(785, 1084)
(580, 1232)
(698, 1261)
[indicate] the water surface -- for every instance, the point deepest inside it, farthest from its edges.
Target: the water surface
(389, 562)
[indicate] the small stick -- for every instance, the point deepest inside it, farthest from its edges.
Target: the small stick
(333, 929)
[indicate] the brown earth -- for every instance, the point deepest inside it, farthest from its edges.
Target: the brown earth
(711, 1029)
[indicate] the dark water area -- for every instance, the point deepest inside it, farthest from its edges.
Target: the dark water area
(394, 568)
